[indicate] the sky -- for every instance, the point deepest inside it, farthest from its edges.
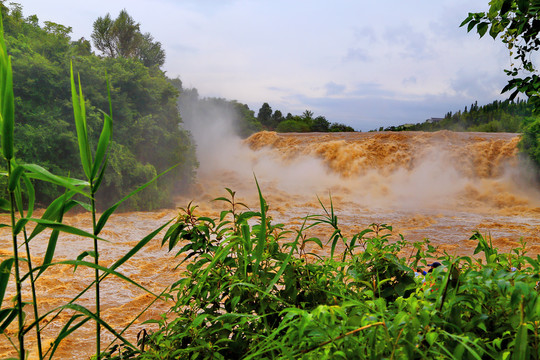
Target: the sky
(366, 64)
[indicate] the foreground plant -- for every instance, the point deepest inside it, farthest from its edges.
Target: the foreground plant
(20, 205)
(253, 290)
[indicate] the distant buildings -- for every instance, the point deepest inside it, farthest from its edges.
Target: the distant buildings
(434, 120)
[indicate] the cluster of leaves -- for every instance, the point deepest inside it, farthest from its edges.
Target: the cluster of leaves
(148, 133)
(517, 24)
(122, 37)
(249, 293)
(274, 120)
(499, 116)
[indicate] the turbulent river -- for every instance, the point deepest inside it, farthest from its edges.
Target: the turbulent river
(441, 186)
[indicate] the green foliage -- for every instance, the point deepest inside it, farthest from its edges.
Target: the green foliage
(530, 143)
(252, 290)
(298, 123)
(293, 126)
(148, 132)
(515, 22)
(499, 116)
(122, 37)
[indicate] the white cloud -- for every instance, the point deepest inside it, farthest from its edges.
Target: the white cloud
(354, 62)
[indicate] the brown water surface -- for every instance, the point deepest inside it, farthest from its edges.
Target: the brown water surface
(441, 186)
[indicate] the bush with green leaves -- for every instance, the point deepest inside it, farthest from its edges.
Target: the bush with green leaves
(252, 290)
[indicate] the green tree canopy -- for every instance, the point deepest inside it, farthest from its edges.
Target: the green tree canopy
(122, 37)
(517, 24)
(265, 115)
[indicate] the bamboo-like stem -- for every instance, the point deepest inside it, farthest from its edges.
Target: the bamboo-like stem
(20, 333)
(96, 261)
(34, 297)
(343, 335)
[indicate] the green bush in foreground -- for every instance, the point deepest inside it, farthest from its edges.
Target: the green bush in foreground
(248, 293)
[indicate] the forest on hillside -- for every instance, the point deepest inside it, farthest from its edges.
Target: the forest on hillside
(148, 107)
(499, 116)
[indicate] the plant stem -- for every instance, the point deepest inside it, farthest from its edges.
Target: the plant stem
(96, 261)
(344, 335)
(34, 297)
(20, 316)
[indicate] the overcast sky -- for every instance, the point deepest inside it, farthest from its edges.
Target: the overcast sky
(363, 63)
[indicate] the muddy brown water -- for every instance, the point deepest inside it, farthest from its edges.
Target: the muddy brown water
(441, 186)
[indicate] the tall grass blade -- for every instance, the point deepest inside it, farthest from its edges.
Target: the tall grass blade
(54, 211)
(285, 262)
(80, 125)
(8, 104)
(63, 227)
(102, 146)
(65, 332)
(5, 271)
(6, 318)
(31, 193)
(261, 236)
(40, 173)
(107, 213)
(15, 177)
(138, 247)
(98, 267)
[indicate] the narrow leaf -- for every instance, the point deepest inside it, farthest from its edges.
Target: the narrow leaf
(5, 271)
(103, 144)
(77, 101)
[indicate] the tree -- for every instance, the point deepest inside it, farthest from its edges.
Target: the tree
(122, 37)
(320, 124)
(265, 116)
(517, 23)
(150, 52)
(277, 117)
(338, 127)
(148, 136)
(292, 126)
(103, 37)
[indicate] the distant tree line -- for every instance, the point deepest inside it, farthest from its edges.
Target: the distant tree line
(499, 116)
(275, 121)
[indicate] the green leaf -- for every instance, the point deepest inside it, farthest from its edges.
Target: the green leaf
(103, 144)
(107, 213)
(523, 5)
(8, 105)
(5, 271)
(83, 255)
(261, 235)
(7, 316)
(55, 211)
(67, 329)
(482, 29)
(31, 194)
(505, 7)
(520, 352)
(5, 205)
(38, 172)
(14, 178)
(63, 227)
(79, 113)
